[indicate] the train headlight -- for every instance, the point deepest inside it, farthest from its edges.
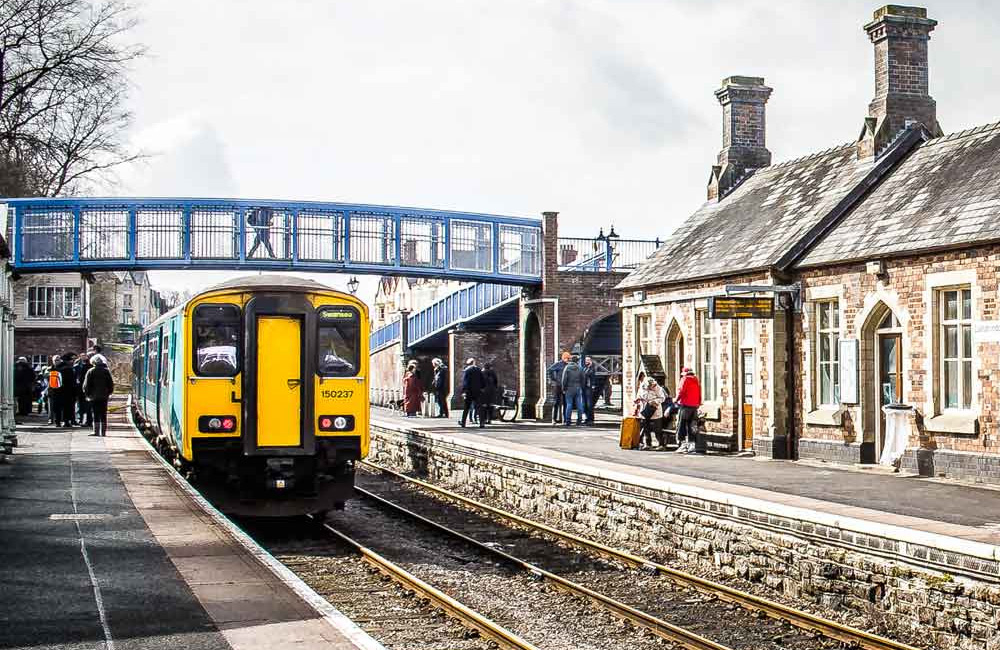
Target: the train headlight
(228, 423)
(336, 423)
(217, 423)
(214, 423)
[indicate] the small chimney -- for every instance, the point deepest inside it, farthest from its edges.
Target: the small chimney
(743, 126)
(900, 35)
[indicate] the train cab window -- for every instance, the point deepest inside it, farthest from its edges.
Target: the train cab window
(152, 364)
(339, 345)
(217, 340)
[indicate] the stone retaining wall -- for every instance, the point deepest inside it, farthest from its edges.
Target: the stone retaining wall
(957, 606)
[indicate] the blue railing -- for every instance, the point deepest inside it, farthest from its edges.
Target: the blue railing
(383, 336)
(463, 305)
(458, 307)
(117, 233)
(606, 254)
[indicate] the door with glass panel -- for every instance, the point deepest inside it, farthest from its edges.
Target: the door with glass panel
(956, 349)
(890, 380)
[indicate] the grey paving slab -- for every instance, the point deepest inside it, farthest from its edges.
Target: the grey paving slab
(951, 503)
(49, 598)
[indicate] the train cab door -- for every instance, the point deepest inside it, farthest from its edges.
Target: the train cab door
(279, 381)
(278, 399)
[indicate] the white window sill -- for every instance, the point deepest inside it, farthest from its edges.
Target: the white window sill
(956, 422)
(826, 416)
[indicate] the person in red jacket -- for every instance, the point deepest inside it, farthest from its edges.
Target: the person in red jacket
(689, 398)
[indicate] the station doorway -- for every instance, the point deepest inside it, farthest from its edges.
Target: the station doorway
(602, 341)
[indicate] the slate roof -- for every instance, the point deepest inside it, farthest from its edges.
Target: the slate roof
(945, 194)
(751, 228)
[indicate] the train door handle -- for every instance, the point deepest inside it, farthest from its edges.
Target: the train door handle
(294, 383)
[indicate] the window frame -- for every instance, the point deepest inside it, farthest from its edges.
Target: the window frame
(165, 340)
(54, 298)
(319, 327)
(194, 340)
(152, 350)
(644, 322)
(832, 333)
(709, 380)
(964, 326)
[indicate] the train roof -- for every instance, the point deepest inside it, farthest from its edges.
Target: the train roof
(251, 283)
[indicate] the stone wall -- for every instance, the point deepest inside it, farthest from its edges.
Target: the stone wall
(819, 562)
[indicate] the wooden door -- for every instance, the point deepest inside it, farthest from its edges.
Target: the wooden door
(890, 380)
(747, 391)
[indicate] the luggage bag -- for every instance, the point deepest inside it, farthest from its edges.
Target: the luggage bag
(629, 438)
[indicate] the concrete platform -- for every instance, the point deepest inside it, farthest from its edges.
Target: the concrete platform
(949, 526)
(101, 545)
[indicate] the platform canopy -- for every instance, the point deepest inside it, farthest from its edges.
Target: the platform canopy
(92, 234)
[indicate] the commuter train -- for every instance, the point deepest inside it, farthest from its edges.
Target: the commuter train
(258, 389)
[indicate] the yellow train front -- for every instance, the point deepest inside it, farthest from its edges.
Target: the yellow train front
(258, 388)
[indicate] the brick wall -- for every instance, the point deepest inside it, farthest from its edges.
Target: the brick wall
(674, 309)
(499, 348)
(28, 342)
(910, 290)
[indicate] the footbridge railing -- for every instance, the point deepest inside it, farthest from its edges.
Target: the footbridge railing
(75, 234)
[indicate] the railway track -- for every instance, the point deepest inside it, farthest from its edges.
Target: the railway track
(782, 626)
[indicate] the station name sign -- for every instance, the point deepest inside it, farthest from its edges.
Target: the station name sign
(740, 307)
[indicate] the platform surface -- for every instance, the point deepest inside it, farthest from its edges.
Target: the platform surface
(101, 548)
(948, 508)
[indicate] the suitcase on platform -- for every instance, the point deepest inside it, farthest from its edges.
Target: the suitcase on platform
(630, 433)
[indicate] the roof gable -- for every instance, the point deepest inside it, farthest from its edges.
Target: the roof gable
(755, 225)
(945, 194)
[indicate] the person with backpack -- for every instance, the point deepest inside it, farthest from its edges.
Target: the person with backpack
(260, 219)
(54, 389)
(98, 385)
(689, 398)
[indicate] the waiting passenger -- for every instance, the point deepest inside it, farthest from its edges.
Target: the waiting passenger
(413, 391)
(439, 384)
(491, 392)
(572, 389)
(472, 388)
(98, 385)
(649, 401)
(24, 385)
(689, 398)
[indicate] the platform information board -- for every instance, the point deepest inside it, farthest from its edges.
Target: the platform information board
(740, 307)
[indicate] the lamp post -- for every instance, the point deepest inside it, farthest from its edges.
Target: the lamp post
(352, 284)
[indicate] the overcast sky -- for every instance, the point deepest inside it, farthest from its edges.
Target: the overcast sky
(601, 110)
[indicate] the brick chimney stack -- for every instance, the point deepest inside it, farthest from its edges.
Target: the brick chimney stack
(743, 126)
(900, 35)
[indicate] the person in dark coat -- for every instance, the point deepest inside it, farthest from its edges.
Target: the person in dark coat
(439, 384)
(69, 390)
(555, 373)
(98, 385)
(260, 219)
(472, 388)
(24, 385)
(491, 391)
(589, 388)
(80, 369)
(413, 391)
(572, 387)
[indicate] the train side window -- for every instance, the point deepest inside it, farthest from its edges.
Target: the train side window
(339, 345)
(217, 336)
(165, 361)
(154, 358)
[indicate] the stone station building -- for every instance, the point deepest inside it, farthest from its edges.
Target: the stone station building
(891, 245)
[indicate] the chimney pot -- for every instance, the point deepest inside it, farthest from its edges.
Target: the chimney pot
(743, 132)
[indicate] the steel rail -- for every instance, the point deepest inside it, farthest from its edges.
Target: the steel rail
(502, 636)
(678, 635)
(846, 634)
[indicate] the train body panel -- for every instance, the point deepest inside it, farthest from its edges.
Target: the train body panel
(260, 386)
